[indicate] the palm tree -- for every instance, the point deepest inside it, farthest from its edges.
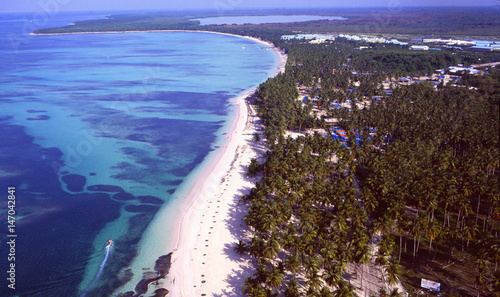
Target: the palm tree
(292, 288)
(495, 249)
(371, 202)
(345, 290)
(395, 293)
(241, 247)
(393, 270)
(469, 232)
(312, 292)
(262, 274)
(434, 230)
(251, 287)
(333, 274)
(402, 227)
(272, 247)
(382, 293)
(314, 280)
(430, 164)
(325, 292)
(293, 263)
(464, 208)
(256, 137)
(275, 278)
(311, 264)
(496, 283)
(384, 225)
(328, 253)
(362, 257)
(257, 247)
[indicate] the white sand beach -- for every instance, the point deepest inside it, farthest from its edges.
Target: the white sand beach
(209, 223)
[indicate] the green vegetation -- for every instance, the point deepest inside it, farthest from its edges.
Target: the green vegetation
(418, 197)
(436, 21)
(135, 22)
(437, 182)
(408, 62)
(396, 20)
(429, 195)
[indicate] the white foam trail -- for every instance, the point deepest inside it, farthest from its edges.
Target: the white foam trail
(107, 250)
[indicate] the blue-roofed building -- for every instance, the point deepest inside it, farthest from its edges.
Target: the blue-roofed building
(339, 134)
(486, 45)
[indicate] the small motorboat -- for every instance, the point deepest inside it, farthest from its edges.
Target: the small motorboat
(110, 242)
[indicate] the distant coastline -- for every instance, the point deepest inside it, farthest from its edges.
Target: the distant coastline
(393, 21)
(234, 150)
(222, 158)
(208, 215)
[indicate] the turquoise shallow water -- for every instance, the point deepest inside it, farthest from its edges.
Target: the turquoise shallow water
(98, 131)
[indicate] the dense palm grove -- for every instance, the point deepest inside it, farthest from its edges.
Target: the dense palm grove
(420, 189)
(418, 195)
(392, 19)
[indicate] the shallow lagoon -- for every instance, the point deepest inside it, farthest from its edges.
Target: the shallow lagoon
(97, 129)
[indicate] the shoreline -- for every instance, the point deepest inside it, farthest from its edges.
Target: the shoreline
(203, 258)
(167, 30)
(204, 264)
(208, 206)
(201, 261)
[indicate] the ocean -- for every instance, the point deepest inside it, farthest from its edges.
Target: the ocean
(98, 132)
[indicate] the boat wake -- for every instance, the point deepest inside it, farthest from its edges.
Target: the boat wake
(107, 251)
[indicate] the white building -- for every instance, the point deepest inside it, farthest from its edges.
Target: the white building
(430, 40)
(395, 41)
(322, 37)
(470, 70)
(419, 48)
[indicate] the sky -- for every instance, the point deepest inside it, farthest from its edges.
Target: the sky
(113, 5)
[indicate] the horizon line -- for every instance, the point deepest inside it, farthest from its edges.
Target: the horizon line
(259, 8)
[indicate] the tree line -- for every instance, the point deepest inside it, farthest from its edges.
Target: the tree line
(421, 190)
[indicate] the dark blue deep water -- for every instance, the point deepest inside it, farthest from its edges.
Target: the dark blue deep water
(97, 131)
